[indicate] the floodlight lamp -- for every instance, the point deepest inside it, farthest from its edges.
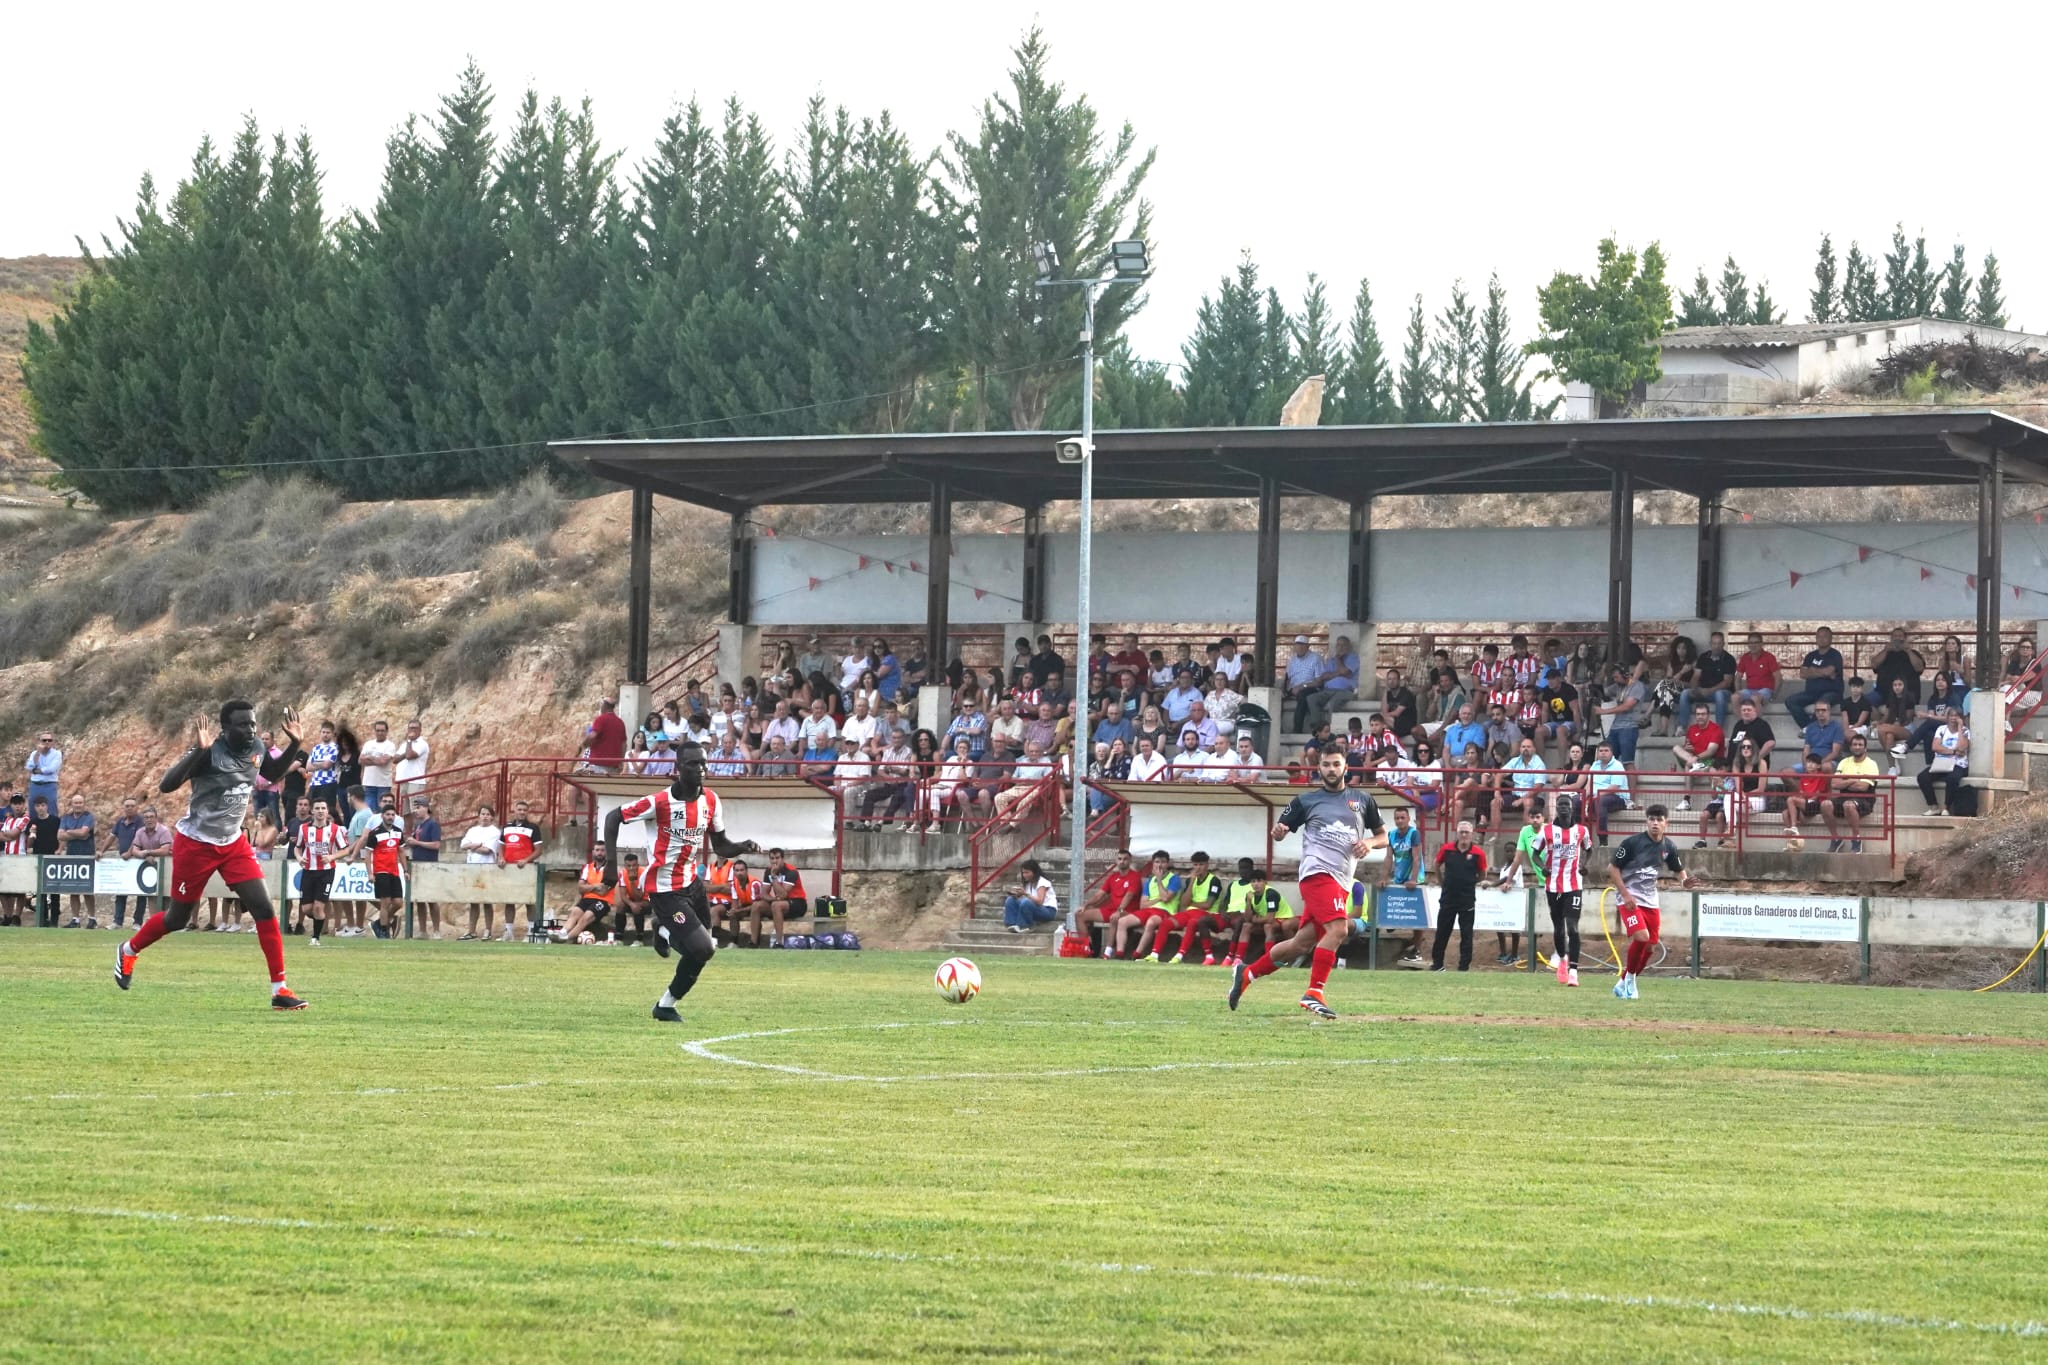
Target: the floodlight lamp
(1048, 258)
(1129, 260)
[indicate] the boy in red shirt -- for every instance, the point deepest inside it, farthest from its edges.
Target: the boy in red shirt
(1808, 796)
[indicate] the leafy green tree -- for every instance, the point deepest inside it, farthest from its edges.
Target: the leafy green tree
(1036, 169)
(1454, 357)
(1823, 303)
(1954, 303)
(1503, 395)
(1603, 332)
(1859, 288)
(1698, 308)
(1417, 386)
(1988, 308)
(1366, 386)
(1733, 290)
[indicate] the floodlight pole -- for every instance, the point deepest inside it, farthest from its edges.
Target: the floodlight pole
(1077, 878)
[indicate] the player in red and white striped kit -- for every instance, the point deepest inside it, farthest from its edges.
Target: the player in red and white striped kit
(684, 821)
(1561, 847)
(320, 841)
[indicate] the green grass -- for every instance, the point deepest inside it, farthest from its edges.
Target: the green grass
(490, 1153)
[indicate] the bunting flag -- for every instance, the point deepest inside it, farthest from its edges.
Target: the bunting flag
(914, 568)
(887, 567)
(1970, 581)
(814, 585)
(1746, 516)
(1863, 552)
(768, 531)
(1925, 573)
(2015, 592)
(980, 593)
(1795, 578)
(863, 561)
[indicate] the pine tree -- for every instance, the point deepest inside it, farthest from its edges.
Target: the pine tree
(1366, 389)
(1954, 303)
(1697, 308)
(1226, 361)
(1896, 299)
(1921, 283)
(1278, 372)
(1734, 295)
(1988, 309)
(1823, 304)
(1503, 395)
(1763, 309)
(1316, 347)
(1034, 170)
(1859, 288)
(1417, 386)
(1454, 357)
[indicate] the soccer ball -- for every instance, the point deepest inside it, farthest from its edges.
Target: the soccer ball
(586, 938)
(957, 980)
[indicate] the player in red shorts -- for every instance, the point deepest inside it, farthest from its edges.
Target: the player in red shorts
(1634, 875)
(223, 773)
(1338, 826)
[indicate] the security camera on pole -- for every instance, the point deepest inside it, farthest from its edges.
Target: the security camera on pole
(1128, 265)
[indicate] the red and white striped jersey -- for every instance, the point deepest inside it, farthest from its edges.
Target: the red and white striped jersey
(318, 844)
(14, 834)
(679, 830)
(1524, 668)
(1529, 715)
(1486, 674)
(1563, 853)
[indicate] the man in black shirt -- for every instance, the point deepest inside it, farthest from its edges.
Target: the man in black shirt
(1460, 867)
(1896, 660)
(1398, 703)
(1713, 679)
(1821, 670)
(1559, 701)
(1754, 729)
(1045, 662)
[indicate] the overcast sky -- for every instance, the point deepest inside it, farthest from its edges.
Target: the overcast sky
(1410, 144)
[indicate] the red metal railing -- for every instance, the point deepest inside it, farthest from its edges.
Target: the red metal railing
(699, 660)
(1004, 839)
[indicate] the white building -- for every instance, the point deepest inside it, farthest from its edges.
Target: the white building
(1759, 364)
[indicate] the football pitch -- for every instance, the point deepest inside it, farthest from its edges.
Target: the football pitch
(490, 1152)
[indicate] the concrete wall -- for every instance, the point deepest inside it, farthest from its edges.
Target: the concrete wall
(1774, 364)
(1480, 574)
(1950, 923)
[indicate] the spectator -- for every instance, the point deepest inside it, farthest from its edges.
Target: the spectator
(81, 840)
(1681, 659)
(1947, 765)
(1475, 786)
(44, 831)
(1184, 661)
(1823, 734)
(1609, 784)
(895, 787)
(1206, 729)
(413, 752)
(1750, 726)
(1113, 726)
(1808, 798)
(1397, 703)
(1856, 711)
(819, 733)
(1943, 700)
(867, 692)
(1558, 705)
(1189, 758)
(955, 784)
(1894, 720)
(1745, 792)
(1233, 664)
(423, 845)
(661, 760)
(851, 665)
(1822, 671)
(1043, 729)
(1152, 725)
(379, 758)
(1703, 747)
(1033, 903)
(1160, 675)
(783, 723)
(1501, 729)
(1337, 684)
(888, 670)
(1488, 672)
(727, 758)
(266, 795)
(1571, 779)
(1106, 763)
(1447, 697)
(1097, 661)
(606, 736)
(1131, 657)
(1713, 677)
(121, 838)
(853, 773)
(1219, 764)
(1304, 677)
(971, 726)
(1149, 765)
(927, 758)
(1853, 797)
(1181, 701)
(826, 767)
(814, 659)
(1528, 779)
(861, 726)
(1625, 714)
(1464, 732)
(1898, 662)
(1304, 769)
(1460, 867)
(727, 718)
(1426, 779)
(1222, 702)
(1757, 669)
(45, 765)
(1953, 664)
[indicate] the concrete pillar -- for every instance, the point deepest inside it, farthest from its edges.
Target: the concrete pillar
(935, 706)
(2041, 637)
(1987, 733)
(1700, 632)
(739, 653)
(636, 699)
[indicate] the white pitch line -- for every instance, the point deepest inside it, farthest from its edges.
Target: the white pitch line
(704, 1048)
(371, 1091)
(1854, 1317)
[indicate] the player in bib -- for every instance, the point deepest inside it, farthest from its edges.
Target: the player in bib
(684, 822)
(1561, 849)
(1338, 826)
(1634, 875)
(209, 839)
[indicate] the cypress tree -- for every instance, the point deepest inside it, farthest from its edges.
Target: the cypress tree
(1988, 308)
(1316, 348)
(1822, 303)
(1278, 372)
(1367, 386)
(1859, 288)
(1697, 308)
(1954, 303)
(1899, 294)
(1227, 367)
(1921, 283)
(1763, 309)
(1417, 386)
(1455, 357)
(1734, 294)
(1503, 396)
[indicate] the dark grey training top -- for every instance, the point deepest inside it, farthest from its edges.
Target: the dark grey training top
(1330, 824)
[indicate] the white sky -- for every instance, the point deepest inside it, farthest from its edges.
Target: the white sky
(1412, 144)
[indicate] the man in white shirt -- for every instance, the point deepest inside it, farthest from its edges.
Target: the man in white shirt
(851, 775)
(1148, 765)
(1529, 778)
(860, 727)
(1220, 763)
(412, 760)
(1230, 663)
(1024, 779)
(1610, 786)
(379, 756)
(1250, 767)
(1006, 731)
(727, 720)
(784, 724)
(819, 731)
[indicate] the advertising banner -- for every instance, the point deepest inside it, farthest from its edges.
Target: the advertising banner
(1814, 919)
(1402, 907)
(65, 876)
(1498, 912)
(127, 877)
(352, 882)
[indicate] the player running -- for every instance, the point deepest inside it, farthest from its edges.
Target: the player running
(209, 839)
(684, 820)
(1338, 826)
(1634, 875)
(1561, 849)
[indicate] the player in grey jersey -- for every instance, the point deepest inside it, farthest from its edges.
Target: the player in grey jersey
(208, 840)
(1634, 875)
(1338, 826)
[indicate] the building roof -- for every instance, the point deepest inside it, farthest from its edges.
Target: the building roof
(1699, 455)
(1752, 336)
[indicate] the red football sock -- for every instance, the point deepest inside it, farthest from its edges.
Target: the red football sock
(1265, 966)
(272, 943)
(148, 932)
(1638, 956)
(1320, 967)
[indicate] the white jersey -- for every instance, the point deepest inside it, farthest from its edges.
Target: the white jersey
(679, 830)
(1562, 851)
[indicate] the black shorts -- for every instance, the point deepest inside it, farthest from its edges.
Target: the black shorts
(316, 887)
(390, 886)
(1566, 902)
(798, 908)
(1864, 804)
(674, 905)
(596, 905)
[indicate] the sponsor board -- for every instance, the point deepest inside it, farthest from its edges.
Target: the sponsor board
(1814, 919)
(1498, 912)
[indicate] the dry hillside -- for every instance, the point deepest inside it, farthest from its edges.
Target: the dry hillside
(31, 289)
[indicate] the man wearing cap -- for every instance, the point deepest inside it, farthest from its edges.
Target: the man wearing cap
(1304, 678)
(814, 659)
